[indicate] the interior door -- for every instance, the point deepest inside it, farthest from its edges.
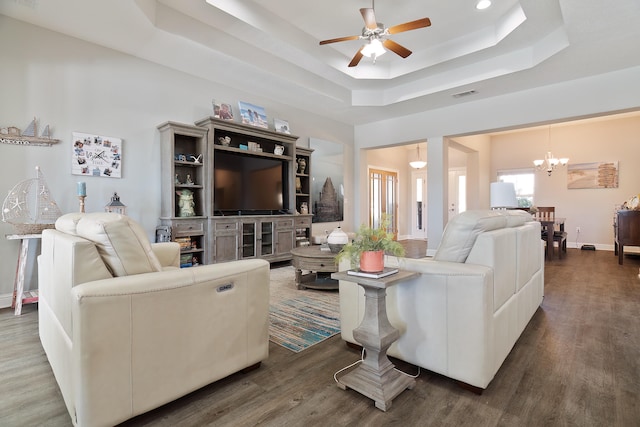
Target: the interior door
(457, 191)
(383, 199)
(419, 204)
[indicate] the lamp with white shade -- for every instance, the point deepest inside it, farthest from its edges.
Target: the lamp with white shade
(503, 195)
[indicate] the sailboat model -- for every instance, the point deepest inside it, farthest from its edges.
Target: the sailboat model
(29, 206)
(30, 136)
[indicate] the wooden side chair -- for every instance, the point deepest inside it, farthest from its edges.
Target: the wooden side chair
(548, 213)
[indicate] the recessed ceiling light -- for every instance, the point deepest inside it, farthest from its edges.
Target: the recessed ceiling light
(483, 4)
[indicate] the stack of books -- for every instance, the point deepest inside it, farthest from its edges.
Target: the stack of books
(186, 260)
(388, 271)
(184, 242)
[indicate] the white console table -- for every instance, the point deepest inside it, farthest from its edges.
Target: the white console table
(376, 377)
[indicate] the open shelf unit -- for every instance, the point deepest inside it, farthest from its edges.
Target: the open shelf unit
(183, 148)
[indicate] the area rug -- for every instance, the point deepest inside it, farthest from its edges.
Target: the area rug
(299, 319)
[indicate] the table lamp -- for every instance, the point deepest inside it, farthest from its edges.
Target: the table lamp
(503, 195)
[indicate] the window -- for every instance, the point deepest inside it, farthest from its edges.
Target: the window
(524, 181)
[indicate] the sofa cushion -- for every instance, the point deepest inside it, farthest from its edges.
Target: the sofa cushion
(516, 217)
(68, 223)
(462, 230)
(121, 242)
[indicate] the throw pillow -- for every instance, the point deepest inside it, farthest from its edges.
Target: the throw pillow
(462, 230)
(121, 242)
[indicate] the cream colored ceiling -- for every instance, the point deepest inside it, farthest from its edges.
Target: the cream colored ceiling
(271, 47)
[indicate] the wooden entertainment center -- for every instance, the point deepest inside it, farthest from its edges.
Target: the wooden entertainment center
(267, 223)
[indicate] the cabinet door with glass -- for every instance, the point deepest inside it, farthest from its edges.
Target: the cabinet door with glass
(266, 238)
(248, 248)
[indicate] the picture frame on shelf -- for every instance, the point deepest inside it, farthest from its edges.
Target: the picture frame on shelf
(253, 115)
(226, 112)
(216, 109)
(281, 126)
(222, 111)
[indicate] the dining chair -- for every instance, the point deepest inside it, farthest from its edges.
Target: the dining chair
(548, 213)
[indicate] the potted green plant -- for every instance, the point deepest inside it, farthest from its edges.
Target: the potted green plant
(369, 247)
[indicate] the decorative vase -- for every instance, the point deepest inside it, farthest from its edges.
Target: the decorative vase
(298, 185)
(337, 239)
(372, 261)
(304, 208)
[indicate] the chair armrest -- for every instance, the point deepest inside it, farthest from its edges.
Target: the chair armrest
(168, 253)
(430, 266)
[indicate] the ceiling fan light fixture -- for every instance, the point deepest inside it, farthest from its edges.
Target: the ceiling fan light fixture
(483, 4)
(373, 49)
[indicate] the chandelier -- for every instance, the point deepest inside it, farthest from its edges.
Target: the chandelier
(550, 162)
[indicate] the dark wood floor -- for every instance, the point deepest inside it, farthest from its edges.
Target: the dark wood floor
(576, 364)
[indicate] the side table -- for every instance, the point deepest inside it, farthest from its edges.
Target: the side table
(376, 376)
(18, 284)
(319, 263)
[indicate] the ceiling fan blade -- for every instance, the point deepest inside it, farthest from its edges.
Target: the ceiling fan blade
(413, 25)
(356, 58)
(396, 48)
(369, 17)
(339, 39)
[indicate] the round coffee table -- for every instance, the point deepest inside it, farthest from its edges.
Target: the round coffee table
(320, 265)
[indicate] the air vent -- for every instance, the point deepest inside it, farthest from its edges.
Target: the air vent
(467, 93)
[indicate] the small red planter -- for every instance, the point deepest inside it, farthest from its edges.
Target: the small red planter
(372, 261)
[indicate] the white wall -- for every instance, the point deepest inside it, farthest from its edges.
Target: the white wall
(592, 210)
(77, 86)
(587, 97)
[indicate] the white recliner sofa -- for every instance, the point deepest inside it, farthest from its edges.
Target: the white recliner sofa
(465, 311)
(126, 331)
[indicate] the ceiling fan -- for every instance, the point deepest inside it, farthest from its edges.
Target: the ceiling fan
(376, 34)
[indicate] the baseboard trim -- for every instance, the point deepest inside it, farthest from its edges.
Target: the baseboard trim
(603, 247)
(5, 300)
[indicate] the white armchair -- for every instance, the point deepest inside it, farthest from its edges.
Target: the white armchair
(125, 330)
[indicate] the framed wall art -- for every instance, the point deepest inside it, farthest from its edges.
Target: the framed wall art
(96, 155)
(592, 175)
(327, 181)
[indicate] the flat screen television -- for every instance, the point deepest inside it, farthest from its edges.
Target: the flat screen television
(248, 184)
